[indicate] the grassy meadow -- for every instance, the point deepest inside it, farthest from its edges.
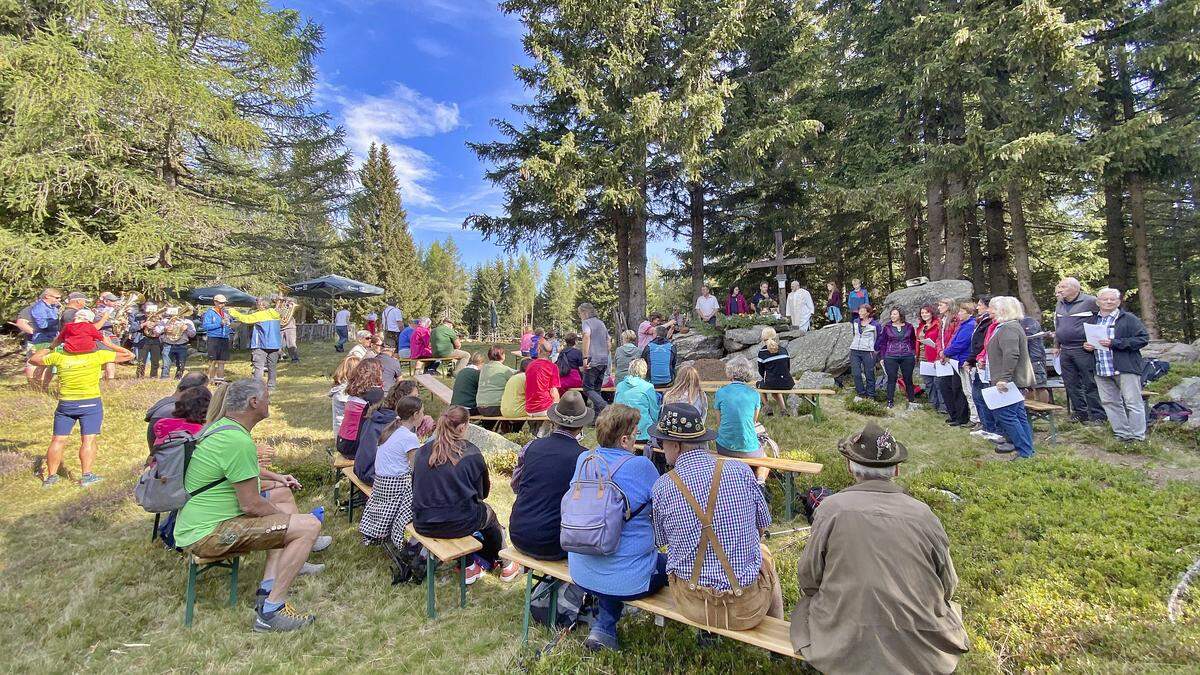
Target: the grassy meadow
(1065, 561)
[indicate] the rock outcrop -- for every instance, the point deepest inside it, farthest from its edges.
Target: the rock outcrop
(698, 346)
(826, 350)
(911, 300)
(1172, 352)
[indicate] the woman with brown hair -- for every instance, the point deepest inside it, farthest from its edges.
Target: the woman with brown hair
(450, 483)
(688, 389)
(337, 393)
(365, 388)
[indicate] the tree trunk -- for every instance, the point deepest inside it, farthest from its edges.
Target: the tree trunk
(887, 251)
(621, 220)
(974, 246)
(935, 229)
(912, 242)
(1141, 253)
(1020, 248)
(637, 269)
(955, 188)
(1114, 232)
(997, 246)
(696, 213)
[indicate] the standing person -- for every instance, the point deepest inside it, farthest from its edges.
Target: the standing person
(450, 483)
(78, 401)
(466, 384)
(866, 332)
(1074, 309)
(393, 323)
(215, 322)
(628, 351)
(341, 328)
(707, 306)
(846, 580)
(595, 355)
(775, 368)
(493, 376)
(738, 405)
(800, 307)
(977, 360)
(447, 344)
(833, 304)
(76, 301)
(177, 334)
(950, 347)
(660, 356)
(372, 322)
(1008, 366)
(898, 346)
(1119, 365)
(857, 297)
(404, 340)
(265, 339)
(763, 294)
(106, 308)
(636, 392)
(1037, 357)
(635, 569)
(735, 304)
(45, 321)
(959, 349)
(151, 326)
(929, 335)
(286, 307)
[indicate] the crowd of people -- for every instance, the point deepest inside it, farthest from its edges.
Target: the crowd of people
(797, 306)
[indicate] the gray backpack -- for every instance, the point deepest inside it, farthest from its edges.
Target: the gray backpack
(160, 487)
(594, 509)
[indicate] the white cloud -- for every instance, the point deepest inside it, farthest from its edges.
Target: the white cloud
(430, 223)
(432, 47)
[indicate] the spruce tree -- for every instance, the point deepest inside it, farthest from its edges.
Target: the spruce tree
(447, 280)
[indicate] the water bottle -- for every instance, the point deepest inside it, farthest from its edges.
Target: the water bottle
(319, 512)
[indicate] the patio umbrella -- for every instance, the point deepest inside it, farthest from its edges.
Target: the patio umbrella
(204, 296)
(333, 286)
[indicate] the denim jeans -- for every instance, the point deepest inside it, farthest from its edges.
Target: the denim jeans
(862, 369)
(987, 416)
(343, 334)
(176, 354)
(931, 390)
(834, 314)
(150, 353)
(1013, 424)
(609, 606)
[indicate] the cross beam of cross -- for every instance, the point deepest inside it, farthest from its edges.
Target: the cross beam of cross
(780, 263)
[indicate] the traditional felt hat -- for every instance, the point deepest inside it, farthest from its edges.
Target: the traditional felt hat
(681, 422)
(571, 411)
(873, 446)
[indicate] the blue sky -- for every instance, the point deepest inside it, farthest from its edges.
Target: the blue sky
(425, 77)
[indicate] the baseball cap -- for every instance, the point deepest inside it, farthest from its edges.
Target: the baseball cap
(220, 298)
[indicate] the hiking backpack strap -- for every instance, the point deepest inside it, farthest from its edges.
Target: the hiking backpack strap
(707, 535)
(191, 447)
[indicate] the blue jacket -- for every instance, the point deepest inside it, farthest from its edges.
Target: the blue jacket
(212, 324)
(45, 322)
(404, 338)
(639, 395)
(660, 356)
(856, 299)
(266, 333)
(960, 345)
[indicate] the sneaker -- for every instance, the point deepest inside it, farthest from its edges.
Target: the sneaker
(474, 573)
(598, 642)
(995, 438)
(980, 433)
(511, 572)
(260, 597)
(89, 479)
(310, 569)
(49, 481)
(856, 400)
(1005, 448)
(283, 619)
(323, 542)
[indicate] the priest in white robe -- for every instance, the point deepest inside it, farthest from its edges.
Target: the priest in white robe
(799, 308)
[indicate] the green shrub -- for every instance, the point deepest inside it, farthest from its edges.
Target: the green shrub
(502, 462)
(867, 406)
(749, 321)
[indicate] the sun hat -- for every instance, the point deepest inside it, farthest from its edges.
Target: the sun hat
(218, 298)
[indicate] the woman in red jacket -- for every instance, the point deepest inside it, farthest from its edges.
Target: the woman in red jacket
(929, 332)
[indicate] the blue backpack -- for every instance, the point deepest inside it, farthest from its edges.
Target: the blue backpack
(594, 509)
(660, 361)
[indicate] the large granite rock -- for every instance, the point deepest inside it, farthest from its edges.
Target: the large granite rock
(745, 336)
(1173, 352)
(489, 442)
(1187, 392)
(815, 380)
(698, 346)
(826, 350)
(749, 353)
(710, 370)
(911, 300)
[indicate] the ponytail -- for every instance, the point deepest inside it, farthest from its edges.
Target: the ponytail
(449, 436)
(773, 346)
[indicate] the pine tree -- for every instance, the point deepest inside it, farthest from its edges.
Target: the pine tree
(555, 305)
(597, 284)
(447, 280)
(519, 295)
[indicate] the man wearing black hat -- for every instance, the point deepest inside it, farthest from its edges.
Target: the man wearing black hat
(543, 475)
(875, 552)
(720, 573)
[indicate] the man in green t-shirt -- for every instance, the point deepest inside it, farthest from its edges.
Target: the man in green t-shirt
(232, 511)
(445, 344)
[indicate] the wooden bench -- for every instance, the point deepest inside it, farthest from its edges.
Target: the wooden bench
(788, 468)
(336, 463)
(435, 387)
(355, 484)
(444, 551)
(1036, 410)
(772, 634)
(412, 363)
(198, 566)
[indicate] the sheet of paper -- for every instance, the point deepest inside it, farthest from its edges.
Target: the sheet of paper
(1095, 333)
(928, 342)
(950, 367)
(995, 399)
(927, 369)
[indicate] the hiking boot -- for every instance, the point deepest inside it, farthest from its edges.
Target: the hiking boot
(511, 572)
(310, 569)
(89, 479)
(323, 542)
(474, 573)
(1005, 448)
(598, 642)
(284, 619)
(50, 481)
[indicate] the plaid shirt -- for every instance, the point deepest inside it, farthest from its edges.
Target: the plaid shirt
(1104, 357)
(741, 514)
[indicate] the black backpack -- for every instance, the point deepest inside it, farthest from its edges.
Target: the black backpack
(1154, 369)
(1170, 411)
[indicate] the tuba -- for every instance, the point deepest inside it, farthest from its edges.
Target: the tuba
(287, 310)
(120, 317)
(177, 326)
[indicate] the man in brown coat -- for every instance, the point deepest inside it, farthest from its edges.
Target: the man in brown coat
(876, 576)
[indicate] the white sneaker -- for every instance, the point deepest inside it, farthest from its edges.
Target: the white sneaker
(979, 432)
(996, 438)
(308, 569)
(323, 542)
(475, 572)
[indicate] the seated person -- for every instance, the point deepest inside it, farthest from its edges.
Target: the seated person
(541, 478)
(512, 402)
(446, 344)
(364, 389)
(165, 407)
(541, 382)
(420, 346)
(570, 364)
(404, 340)
(229, 514)
(466, 384)
(372, 429)
(635, 570)
(363, 349)
(450, 483)
(188, 415)
(738, 404)
(389, 508)
(493, 377)
(774, 368)
(876, 552)
(635, 392)
(337, 393)
(659, 355)
(391, 367)
(623, 355)
(733, 586)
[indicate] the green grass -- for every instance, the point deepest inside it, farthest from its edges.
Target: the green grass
(1065, 562)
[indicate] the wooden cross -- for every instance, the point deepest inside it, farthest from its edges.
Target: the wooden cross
(779, 263)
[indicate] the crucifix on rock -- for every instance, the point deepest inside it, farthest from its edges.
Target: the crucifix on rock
(780, 264)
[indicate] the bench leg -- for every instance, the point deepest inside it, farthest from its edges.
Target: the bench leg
(789, 494)
(462, 581)
(154, 532)
(233, 580)
(189, 604)
(350, 489)
(554, 605)
(1053, 437)
(528, 607)
(818, 415)
(430, 601)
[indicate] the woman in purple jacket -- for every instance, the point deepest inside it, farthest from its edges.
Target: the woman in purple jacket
(897, 344)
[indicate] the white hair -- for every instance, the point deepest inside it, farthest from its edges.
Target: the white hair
(1006, 308)
(1109, 289)
(362, 334)
(587, 310)
(862, 472)
(739, 369)
(1072, 282)
(239, 393)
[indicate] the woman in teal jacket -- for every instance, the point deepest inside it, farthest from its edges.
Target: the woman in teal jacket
(637, 393)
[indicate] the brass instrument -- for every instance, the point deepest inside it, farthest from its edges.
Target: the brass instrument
(120, 316)
(177, 325)
(287, 310)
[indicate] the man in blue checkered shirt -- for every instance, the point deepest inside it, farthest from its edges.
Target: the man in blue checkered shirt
(733, 584)
(1119, 365)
